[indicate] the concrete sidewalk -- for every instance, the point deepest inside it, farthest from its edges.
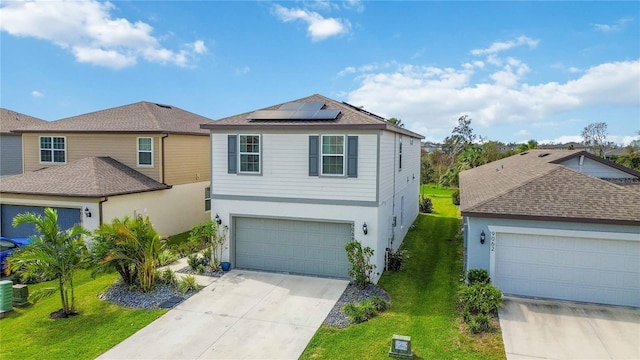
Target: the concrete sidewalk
(242, 315)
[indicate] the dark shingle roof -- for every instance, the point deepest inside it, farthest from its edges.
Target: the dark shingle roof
(88, 177)
(529, 186)
(138, 117)
(350, 117)
(11, 120)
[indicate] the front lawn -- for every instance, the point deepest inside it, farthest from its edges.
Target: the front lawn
(423, 301)
(28, 333)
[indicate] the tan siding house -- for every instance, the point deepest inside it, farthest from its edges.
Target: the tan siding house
(160, 143)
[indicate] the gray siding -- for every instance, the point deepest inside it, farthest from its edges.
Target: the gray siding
(595, 169)
(10, 155)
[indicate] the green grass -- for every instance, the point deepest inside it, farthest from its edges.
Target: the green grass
(178, 239)
(423, 301)
(441, 200)
(28, 333)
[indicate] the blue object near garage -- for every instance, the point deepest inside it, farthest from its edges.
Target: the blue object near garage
(67, 217)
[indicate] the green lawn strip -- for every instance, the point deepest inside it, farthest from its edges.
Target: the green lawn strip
(28, 333)
(178, 239)
(423, 303)
(441, 200)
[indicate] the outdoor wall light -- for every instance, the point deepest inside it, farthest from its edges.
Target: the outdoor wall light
(218, 220)
(87, 213)
(482, 237)
(365, 230)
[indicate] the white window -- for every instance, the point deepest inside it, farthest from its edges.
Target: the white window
(53, 149)
(145, 151)
(207, 199)
(250, 154)
(332, 158)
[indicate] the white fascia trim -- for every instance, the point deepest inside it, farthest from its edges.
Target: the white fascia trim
(608, 235)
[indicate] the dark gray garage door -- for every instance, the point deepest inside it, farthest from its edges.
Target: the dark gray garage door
(302, 247)
(66, 219)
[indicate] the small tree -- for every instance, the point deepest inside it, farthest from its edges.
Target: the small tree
(359, 258)
(210, 235)
(54, 253)
(396, 121)
(594, 137)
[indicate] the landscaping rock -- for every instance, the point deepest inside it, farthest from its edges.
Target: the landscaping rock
(352, 294)
(120, 294)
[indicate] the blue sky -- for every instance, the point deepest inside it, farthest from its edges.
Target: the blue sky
(520, 70)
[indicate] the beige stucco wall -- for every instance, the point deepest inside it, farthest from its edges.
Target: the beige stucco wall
(187, 159)
(121, 147)
(171, 211)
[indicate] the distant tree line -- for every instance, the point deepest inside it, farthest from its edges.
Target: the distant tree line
(464, 149)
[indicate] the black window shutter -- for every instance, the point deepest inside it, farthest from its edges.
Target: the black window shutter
(352, 156)
(232, 154)
(314, 149)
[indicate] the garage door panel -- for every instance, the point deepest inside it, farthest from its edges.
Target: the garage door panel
(67, 217)
(304, 247)
(580, 269)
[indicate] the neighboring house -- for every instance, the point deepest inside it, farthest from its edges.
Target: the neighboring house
(295, 182)
(430, 147)
(142, 158)
(555, 224)
(11, 143)
(566, 146)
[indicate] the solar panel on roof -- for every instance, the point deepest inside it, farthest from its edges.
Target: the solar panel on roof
(291, 106)
(297, 111)
(312, 105)
(328, 114)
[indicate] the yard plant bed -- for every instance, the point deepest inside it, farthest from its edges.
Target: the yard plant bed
(423, 301)
(352, 294)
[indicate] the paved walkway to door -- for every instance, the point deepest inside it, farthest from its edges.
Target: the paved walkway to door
(536, 329)
(242, 315)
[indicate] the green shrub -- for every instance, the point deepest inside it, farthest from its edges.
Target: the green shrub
(167, 277)
(455, 197)
(395, 259)
(193, 261)
(480, 323)
(380, 303)
(480, 299)
(166, 257)
(200, 268)
(478, 276)
(361, 268)
(426, 206)
(353, 312)
(188, 283)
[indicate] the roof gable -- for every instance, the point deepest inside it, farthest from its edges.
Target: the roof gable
(11, 120)
(88, 177)
(140, 117)
(349, 117)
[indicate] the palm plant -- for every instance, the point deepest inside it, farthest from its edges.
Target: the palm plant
(132, 247)
(54, 253)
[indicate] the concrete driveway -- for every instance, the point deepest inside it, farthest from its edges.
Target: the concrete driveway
(535, 329)
(243, 315)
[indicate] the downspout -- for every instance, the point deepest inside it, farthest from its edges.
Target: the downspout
(581, 162)
(100, 215)
(164, 136)
(393, 206)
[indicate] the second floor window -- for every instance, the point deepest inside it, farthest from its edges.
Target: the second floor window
(145, 151)
(332, 151)
(207, 199)
(250, 154)
(400, 155)
(53, 149)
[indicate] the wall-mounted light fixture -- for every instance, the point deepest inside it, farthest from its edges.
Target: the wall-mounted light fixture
(482, 237)
(365, 230)
(87, 213)
(218, 220)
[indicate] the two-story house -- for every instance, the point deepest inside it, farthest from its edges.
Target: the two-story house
(141, 158)
(10, 142)
(295, 182)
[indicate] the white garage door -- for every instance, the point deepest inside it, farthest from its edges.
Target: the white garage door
(302, 247)
(578, 269)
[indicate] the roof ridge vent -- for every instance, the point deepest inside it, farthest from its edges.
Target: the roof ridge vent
(164, 106)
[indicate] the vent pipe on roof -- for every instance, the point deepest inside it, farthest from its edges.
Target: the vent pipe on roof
(581, 162)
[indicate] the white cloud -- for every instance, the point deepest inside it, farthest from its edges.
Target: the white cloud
(522, 132)
(318, 27)
(500, 46)
(574, 70)
(430, 99)
(90, 32)
(562, 139)
(617, 26)
(356, 5)
(37, 94)
(243, 70)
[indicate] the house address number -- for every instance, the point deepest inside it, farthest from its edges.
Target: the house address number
(493, 241)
